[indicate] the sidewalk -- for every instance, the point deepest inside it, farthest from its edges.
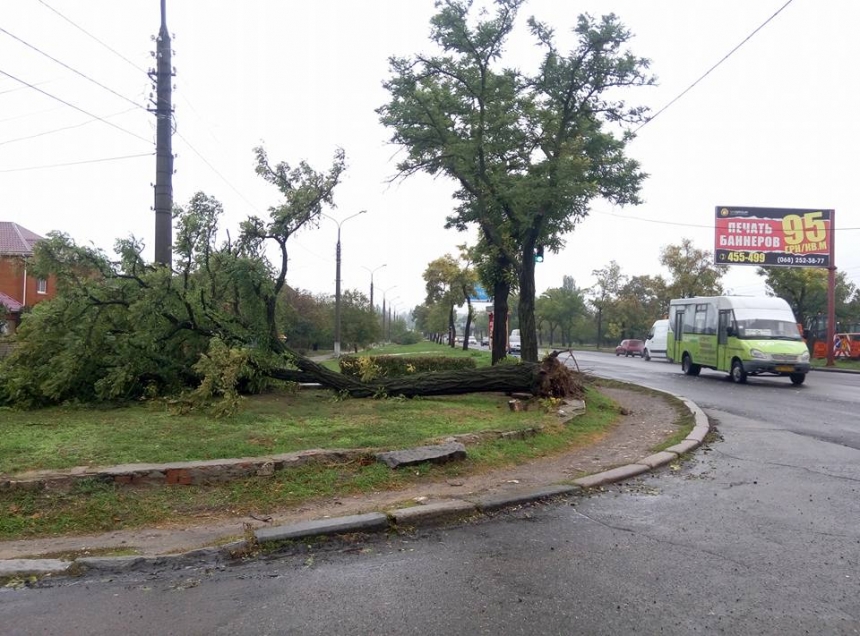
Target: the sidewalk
(433, 503)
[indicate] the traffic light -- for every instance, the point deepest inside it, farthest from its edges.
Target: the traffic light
(539, 254)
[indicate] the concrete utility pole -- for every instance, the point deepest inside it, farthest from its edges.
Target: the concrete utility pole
(163, 76)
(337, 280)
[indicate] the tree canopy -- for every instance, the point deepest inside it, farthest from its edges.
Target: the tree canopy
(528, 151)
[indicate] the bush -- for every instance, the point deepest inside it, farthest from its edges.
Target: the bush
(408, 338)
(366, 368)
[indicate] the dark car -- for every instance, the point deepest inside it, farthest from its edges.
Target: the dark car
(630, 348)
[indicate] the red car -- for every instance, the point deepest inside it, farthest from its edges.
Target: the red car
(630, 348)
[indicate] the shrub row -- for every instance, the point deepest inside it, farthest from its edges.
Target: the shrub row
(366, 368)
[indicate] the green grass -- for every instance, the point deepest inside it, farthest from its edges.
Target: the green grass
(64, 437)
(839, 363)
(92, 506)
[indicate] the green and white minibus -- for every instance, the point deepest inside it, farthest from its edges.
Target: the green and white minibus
(742, 335)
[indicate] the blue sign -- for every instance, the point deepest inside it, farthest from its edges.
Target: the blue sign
(480, 295)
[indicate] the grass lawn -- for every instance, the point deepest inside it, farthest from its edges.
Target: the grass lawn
(63, 437)
(97, 507)
(839, 363)
(274, 423)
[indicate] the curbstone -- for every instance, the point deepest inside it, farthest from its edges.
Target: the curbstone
(684, 447)
(437, 454)
(108, 564)
(33, 567)
(432, 512)
(658, 459)
(616, 474)
(339, 525)
(504, 500)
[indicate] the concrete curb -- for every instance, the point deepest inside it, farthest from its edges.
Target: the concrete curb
(392, 520)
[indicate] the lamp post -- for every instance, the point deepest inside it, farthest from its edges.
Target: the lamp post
(372, 308)
(337, 281)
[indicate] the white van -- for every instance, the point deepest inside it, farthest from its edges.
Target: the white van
(514, 342)
(655, 345)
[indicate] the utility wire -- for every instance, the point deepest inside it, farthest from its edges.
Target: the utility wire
(55, 130)
(78, 163)
(674, 223)
(66, 66)
(708, 72)
(87, 33)
(77, 108)
(215, 170)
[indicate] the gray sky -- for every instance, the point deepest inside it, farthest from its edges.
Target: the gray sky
(774, 126)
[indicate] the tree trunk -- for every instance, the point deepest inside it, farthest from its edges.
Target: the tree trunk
(499, 344)
(528, 330)
(550, 378)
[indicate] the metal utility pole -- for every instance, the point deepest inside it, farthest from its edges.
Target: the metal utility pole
(163, 77)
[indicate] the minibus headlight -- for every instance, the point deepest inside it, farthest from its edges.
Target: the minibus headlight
(803, 357)
(760, 355)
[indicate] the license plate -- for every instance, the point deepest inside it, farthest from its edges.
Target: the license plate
(785, 367)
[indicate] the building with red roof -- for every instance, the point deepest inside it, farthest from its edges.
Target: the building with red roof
(19, 289)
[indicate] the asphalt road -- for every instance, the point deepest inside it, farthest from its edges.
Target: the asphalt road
(758, 533)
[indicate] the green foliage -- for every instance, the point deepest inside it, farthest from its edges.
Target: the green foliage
(692, 271)
(367, 368)
(121, 328)
(408, 337)
(805, 289)
(529, 151)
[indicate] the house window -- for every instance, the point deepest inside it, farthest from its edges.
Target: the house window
(42, 286)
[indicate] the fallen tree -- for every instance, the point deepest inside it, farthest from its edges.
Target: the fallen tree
(122, 329)
(549, 378)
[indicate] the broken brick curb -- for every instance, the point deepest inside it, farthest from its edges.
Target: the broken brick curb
(393, 520)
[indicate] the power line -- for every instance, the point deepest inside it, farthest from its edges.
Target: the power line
(78, 163)
(708, 72)
(215, 170)
(77, 108)
(55, 130)
(707, 227)
(87, 33)
(66, 66)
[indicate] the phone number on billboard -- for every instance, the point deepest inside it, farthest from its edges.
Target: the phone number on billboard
(739, 257)
(797, 259)
(745, 257)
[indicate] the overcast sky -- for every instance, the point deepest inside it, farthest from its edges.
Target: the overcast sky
(776, 125)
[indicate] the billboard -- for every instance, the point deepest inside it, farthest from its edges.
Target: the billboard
(786, 237)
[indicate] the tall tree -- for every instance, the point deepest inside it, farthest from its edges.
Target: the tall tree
(604, 293)
(640, 302)
(306, 193)
(805, 289)
(561, 307)
(442, 282)
(692, 271)
(529, 152)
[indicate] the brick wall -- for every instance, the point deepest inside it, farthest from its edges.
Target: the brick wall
(12, 282)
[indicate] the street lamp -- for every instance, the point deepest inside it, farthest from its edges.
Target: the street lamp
(337, 281)
(372, 308)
